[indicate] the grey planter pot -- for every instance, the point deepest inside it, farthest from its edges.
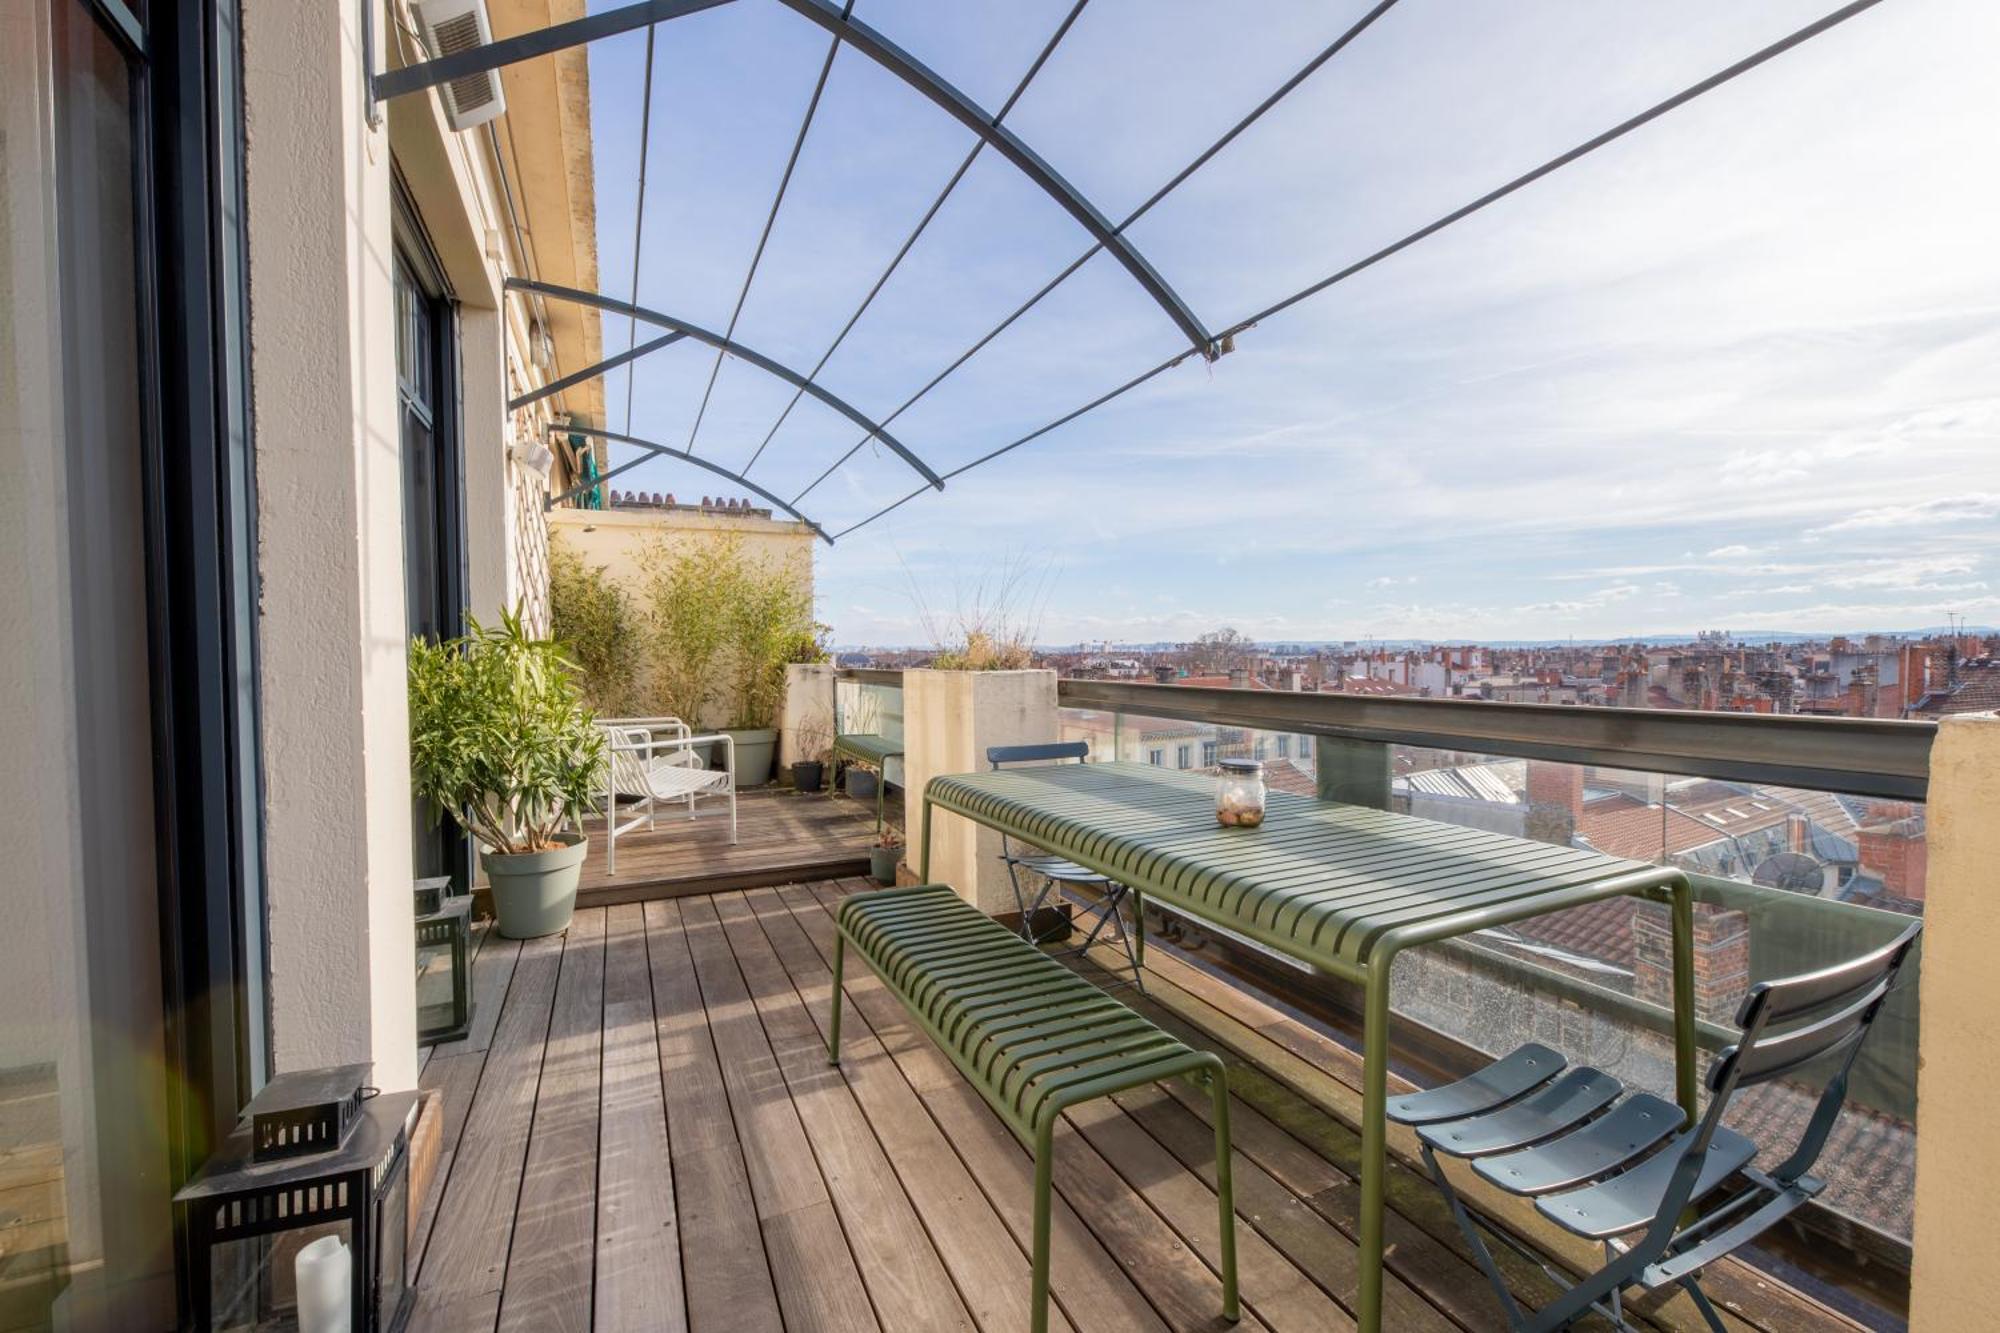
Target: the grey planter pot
(860, 783)
(882, 864)
(755, 749)
(808, 775)
(534, 893)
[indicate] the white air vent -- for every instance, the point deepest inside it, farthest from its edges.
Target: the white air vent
(452, 26)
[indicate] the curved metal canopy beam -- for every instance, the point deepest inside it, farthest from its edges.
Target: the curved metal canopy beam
(667, 451)
(736, 349)
(948, 98)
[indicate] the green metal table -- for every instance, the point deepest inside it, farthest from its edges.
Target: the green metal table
(1344, 888)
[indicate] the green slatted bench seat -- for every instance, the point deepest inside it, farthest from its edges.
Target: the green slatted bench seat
(870, 751)
(1032, 1036)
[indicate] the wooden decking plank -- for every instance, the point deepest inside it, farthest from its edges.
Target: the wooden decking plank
(991, 1270)
(638, 1239)
(784, 1175)
(780, 835)
(1308, 1240)
(550, 1266)
(466, 1259)
(783, 1172)
(1415, 1256)
(1095, 1207)
(726, 1274)
(1282, 1295)
(907, 1281)
(810, 1263)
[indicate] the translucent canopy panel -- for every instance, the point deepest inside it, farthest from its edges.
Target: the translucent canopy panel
(1453, 371)
(1416, 118)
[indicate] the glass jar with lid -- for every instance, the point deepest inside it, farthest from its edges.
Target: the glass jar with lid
(1239, 793)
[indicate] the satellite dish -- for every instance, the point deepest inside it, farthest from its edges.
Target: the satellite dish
(1789, 870)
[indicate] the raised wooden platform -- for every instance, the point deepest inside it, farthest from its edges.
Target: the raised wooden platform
(783, 837)
(642, 1132)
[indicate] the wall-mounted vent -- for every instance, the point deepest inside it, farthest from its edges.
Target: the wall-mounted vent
(452, 26)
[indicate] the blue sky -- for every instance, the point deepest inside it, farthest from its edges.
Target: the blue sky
(1740, 369)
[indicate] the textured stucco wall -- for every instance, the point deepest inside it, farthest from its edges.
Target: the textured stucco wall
(330, 557)
(1955, 1282)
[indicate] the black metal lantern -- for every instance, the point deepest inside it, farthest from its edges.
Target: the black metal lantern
(444, 971)
(310, 1159)
(431, 892)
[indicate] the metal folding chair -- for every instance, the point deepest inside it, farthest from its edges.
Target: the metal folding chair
(1056, 871)
(1627, 1173)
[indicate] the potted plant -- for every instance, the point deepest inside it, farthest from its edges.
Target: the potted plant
(883, 855)
(500, 738)
(814, 739)
(769, 619)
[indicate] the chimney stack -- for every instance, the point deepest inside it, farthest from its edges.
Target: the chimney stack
(1165, 675)
(1239, 678)
(1721, 959)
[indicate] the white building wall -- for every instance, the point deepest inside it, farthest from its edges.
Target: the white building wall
(329, 487)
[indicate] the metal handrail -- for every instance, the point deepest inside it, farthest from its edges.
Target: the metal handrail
(1882, 757)
(1862, 756)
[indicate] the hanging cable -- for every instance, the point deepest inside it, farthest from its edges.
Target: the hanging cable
(1048, 49)
(1583, 149)
(1201, 159)
(639, 223)
(1618, 131)
(1034, 434)
(770, 219)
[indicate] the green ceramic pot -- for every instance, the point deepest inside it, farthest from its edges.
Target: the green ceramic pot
(534, 893)
(755, 749)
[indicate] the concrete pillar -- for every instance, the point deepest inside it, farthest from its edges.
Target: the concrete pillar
(1351, 771)
(332, 626)
(1954, 1282)
(949, 719)
(805, 725)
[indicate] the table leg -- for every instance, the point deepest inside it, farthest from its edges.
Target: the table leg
(1686, 1076)
(1374, 1142)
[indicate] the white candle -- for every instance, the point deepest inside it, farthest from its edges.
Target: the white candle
(324, 1277)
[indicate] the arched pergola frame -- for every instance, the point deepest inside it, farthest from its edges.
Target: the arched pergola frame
(864, 40)
(732, 347)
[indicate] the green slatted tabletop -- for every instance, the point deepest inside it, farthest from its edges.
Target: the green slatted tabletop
(1342, 887)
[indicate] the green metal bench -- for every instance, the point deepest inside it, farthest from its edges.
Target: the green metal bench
(1032, 1036)
(870, 751)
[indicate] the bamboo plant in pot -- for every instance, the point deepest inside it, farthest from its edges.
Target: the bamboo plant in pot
(500, 738)
(770, 624)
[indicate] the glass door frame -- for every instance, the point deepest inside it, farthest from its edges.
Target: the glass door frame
(198, 488)
(418, 266)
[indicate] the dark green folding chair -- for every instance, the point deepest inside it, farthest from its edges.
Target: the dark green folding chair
(1627, 1173)
(1054, 872)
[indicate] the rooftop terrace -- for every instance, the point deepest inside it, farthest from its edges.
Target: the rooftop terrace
(642, 1131)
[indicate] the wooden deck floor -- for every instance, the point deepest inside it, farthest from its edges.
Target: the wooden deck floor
(642, 1132)
(782, 837)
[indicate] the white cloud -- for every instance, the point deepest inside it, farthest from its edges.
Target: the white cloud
(1924, 513)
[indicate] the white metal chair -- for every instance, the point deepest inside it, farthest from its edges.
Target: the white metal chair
(652, 760)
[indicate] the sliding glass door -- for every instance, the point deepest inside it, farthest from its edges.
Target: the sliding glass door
(130, 950)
